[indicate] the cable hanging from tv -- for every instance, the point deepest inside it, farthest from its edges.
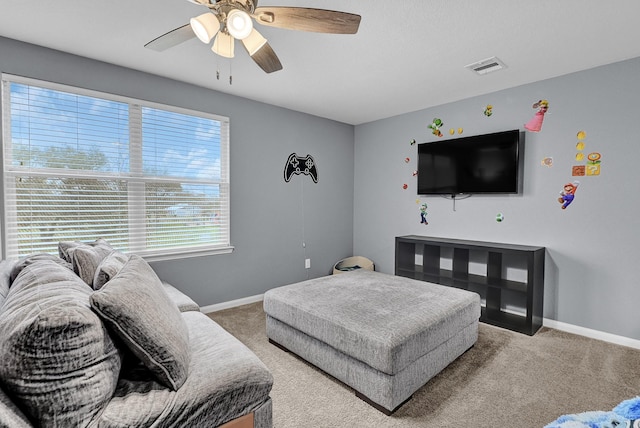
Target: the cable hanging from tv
(455, 197)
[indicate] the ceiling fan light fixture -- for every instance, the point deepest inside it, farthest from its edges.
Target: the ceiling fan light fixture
(254, 42)
(239, 24)
(205, 26)
(223, 45)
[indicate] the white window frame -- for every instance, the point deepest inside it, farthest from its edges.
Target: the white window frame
(137, 223)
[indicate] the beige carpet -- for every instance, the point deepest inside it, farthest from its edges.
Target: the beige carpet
(506, 380)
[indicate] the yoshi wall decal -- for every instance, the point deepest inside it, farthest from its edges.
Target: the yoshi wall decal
(435, 127)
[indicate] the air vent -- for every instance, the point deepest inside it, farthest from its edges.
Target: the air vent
(486, 66)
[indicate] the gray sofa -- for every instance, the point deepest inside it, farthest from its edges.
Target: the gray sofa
(95, 338)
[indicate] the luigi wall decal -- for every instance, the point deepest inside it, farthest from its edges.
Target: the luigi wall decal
(423, 214)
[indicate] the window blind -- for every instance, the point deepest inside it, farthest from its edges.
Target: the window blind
(79, 165)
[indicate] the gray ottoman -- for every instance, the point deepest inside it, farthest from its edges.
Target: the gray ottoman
(383, 335)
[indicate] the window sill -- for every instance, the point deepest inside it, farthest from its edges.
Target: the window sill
(183, 254)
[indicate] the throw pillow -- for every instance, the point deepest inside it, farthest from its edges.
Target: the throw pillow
(136, 307)
(6, 266)
(108, 268)
(10, 414)
(59, 363)
(84, 257)
(66, 248)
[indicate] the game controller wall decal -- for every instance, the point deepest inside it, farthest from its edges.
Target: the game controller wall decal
(300, 165)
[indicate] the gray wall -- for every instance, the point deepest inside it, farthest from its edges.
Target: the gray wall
(592, 264)
(269, 218)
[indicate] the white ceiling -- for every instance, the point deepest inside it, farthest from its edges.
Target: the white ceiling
(408, 55)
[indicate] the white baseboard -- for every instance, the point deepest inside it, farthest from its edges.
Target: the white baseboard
(569, 328)
(231, 304)
(593, 334)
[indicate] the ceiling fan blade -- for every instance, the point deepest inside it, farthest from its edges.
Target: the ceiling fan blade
(171, 39)
(261, 52)
(267, 59)
(307, 19)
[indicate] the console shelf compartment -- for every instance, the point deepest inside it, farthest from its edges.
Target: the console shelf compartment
(513, 303)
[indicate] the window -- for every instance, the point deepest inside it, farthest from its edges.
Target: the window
(77, 165)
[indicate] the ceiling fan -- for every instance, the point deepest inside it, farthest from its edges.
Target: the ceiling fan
(228, 20)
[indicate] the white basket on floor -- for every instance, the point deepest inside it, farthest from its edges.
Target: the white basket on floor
(353, 263)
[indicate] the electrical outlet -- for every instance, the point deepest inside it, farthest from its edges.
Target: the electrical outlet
(307, 263)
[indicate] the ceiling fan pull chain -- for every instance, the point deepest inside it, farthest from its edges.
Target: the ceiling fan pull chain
(231, 42)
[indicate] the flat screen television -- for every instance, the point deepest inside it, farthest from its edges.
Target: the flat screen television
(481, 164)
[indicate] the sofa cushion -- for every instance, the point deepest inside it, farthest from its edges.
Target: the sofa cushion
(226, 380)
(136, 306)
(84, 257)
(108, 268)
(36, 258)
(58, 360)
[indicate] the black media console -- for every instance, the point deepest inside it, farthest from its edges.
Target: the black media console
(483, 267)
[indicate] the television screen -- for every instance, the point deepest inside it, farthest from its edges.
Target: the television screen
(487, 163)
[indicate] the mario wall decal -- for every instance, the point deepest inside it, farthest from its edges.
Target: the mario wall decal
(568, 194)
